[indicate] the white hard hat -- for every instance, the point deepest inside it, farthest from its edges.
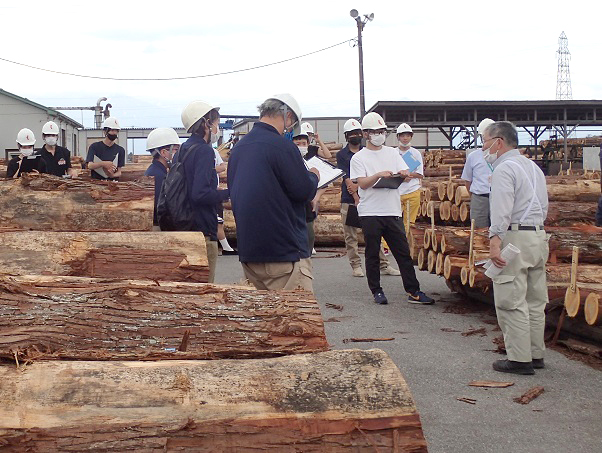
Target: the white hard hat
(194, 112)
(111, 123)
(306, 129)
(484, 125)
(351, 125)
(290, 102)
(161, 137)
(25, 137)
(50, 128)
(404, 127)
(373, 121)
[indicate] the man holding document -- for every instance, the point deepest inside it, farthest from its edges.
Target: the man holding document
(409, 190)
(519, 206)
(379, 171)
(106, 158)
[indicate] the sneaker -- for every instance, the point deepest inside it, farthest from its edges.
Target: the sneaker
(229, 252)
(389, 270)
(510, 366)
(358, 272)
(313, 252)
(380, 298)
(538, 364)
(420, 298)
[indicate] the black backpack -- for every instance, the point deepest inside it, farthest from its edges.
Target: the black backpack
(174, 212)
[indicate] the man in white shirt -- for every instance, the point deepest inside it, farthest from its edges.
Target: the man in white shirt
(477, 174)
(409, 190)
(519, 206)
(379, 209)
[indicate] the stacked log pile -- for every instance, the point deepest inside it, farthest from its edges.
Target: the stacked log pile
(112, 339)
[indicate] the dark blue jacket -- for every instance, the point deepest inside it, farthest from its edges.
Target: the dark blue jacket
(344, 162)
(201, 180)
(269, 186)
(158, 170)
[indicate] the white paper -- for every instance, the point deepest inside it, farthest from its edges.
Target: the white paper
(101, 170)
(508, 254)
(328, 173)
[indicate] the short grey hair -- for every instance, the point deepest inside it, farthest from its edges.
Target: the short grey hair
(505, 130)
(273, 107)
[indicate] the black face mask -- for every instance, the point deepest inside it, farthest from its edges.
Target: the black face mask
(355, 140)
(112, 137)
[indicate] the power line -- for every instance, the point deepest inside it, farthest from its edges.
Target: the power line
(177, 78)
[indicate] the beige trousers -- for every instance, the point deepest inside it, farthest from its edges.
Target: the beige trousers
(280, 275)
(211, 257)
(351, 243)
(521, 294)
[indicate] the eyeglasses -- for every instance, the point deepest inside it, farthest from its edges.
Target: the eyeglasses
(491, 138)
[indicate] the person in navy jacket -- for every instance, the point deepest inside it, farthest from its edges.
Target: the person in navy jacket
(269, 186)
(162, 143)
(202, 121)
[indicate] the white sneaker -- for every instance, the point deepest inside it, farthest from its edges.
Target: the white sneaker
(313, 252)
(389, 270)
(358, 272)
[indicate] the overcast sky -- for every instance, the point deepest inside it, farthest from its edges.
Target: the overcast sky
(419, 51)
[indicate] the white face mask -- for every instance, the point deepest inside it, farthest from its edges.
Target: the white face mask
(27, 152)
(490, 158)
(405, 145)
(378, 139)
(51, 141)
(215, 135)
(303, 150)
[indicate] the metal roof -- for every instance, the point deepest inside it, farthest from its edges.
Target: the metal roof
(48, 110)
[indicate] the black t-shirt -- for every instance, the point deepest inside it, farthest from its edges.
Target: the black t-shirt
(30, 163)
(115, 154)
(312, 151)
(59, 163)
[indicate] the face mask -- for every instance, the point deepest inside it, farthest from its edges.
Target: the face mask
(50, 141)
(112, 137)
(405, 145)
(377, 139)
(489, 158)
(27, 152)
(355, 141)
(303, 150)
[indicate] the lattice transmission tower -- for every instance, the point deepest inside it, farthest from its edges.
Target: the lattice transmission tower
(563, 79)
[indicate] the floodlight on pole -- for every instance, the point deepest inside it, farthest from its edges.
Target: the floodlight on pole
(360, 27)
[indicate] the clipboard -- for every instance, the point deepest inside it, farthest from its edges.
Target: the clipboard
(328, 172)
(391, 182)
(353, 218)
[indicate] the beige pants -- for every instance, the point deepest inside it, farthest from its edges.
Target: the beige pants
(414, 199)
(521, 294)
(211, 257)
(280, 275)
(351, 243)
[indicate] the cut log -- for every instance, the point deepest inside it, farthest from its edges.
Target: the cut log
(434, 209)
(44, 202)
(452, 266)
(91, 319)
(465, 212)
(455, 213)
(431, 261)
(464, 274)
(427, 239)
(328, 230)
(561, 273)
(451, 191)
(330, 201)
(421, 260)
(571, 213)
(478, 280)
(445, 210)
(442, 190)
(593, 309)
(572, 301)
(177, 256)
(424, 208)
(456, 240)
(579, 190)
(427, 194)
(461, 195)
(336, 401)
(415, 240)
(563, 240)
(439, 263)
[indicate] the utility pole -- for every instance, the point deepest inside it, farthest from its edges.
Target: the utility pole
(360, 27)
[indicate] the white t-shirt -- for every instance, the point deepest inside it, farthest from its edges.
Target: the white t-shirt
(411, 185)
(377, 202)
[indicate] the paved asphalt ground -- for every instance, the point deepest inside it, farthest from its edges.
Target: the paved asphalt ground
(438, 364)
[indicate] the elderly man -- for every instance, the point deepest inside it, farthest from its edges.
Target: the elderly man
(519, 206)
(269, 188)
(477, 174)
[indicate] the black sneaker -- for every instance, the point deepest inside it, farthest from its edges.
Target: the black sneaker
(420, 298)
(229, 252)
(538, 364)
(510, 366)
(380, 298)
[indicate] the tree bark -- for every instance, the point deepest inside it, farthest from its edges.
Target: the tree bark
(177, 256)
(91, 319)
(561, 273)
(571, 213)
(336, 401)
(563, 239)
(456, 240)
(43, 202)
(579, 190)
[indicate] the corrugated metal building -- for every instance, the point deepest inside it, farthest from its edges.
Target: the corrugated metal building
(18, 112)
